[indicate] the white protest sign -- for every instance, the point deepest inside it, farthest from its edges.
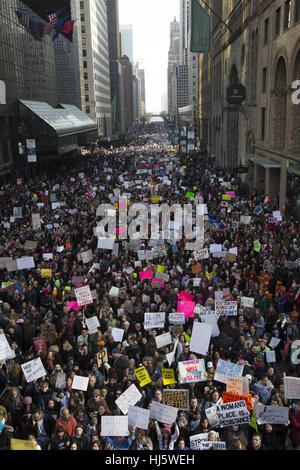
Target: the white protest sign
(86, 256)
(114, 425)
(192, 371)
(212, 416)
(274, 342)
(163, 340)
(92, 324)
(117, 334)
(247, 302)
(138, 417)
(129, 398)
(271, 414)
(83, 295)
(47, 256)
(292, 388)
(196, 440)
(201, 254)
(60, 381)
(5, 350)
(200, 338)
(232, 413)
(270, 356)
(225, 308)
(212, 320)
(33, 370)
(80, 383)
(206, 445)
(114, 292)
(177, 317)
(106, 243)
(154, 320)
(245, 219)
(227, 368)
(215, 248)
(26, 262)
(163, 413)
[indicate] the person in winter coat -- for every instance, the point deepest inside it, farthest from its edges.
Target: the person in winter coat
(295, 424)
(117, 442)
(67, 421)
(60, 440)
(166, 440)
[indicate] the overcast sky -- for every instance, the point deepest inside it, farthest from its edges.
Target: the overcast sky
(150, 21)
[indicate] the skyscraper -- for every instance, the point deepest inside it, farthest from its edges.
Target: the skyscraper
(127, 39)
(173, 61)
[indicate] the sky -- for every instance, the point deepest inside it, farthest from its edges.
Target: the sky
(151, 40)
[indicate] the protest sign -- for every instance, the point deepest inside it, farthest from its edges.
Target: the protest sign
(138, 417)
(30, 245)
(128, 398)
(187, 307)
(177, 317)
(233, 413)
(274, 342)
(192, 371)
(229, 397)
(154, 320)
(39, 344)
(225, 369)
(270, 356)
(26, 262)
(102, 357)
(200, 338)
(212, 416)
(142, 376)
(291, 388)
(48, 331)
(80, 383)
(21, 444)
(168, 376)
(5, 350)
(163, 413)
(106, 243)
(117, 334)
(163, 340)
(206, 445)
(60, 380)
(92, 324)
(271, 414)
(247, 302)
(201, 254)
(114, 425)
(264, 392)
(225, 308)
(83, 295)
(176, 398)
(36, 221)
(33, 370)
(237, 385)
(86, 256)
(46, 273)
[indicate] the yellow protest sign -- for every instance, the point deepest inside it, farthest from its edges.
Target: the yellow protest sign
(155, 198)
(226, 197)
(161, 269)
(46, 273)
(20, 444)
(187, 337)
(168, 376)
(142, 376)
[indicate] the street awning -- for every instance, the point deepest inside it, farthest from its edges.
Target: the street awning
(261, 160)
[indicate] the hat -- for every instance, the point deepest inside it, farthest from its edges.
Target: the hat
(96, 392)
(101, 343)
(27, 401)
(137, 325)
(210, 364)
(167, 428)
(249, 376)
(115, 351)
(187, 344)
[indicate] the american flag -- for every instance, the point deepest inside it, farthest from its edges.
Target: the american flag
(24, 19)
(48, 28)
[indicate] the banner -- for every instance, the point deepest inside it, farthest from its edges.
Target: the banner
(229, 397)
(163, 413)
(128, 398)
(225, 308)
(177, 398)
(233, 413)
(192, 371)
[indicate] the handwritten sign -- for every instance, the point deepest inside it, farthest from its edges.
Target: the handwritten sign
(192, 371)
(83, 295)
(177, 398)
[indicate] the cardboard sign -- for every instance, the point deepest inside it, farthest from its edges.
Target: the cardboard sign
(48, 331)
(192, 371)
(86, 256)
(30, 245)
(196, 268)
(237, 385)
(168, 376)
(102, 357)
(176, 398)
(142, 376)
(230, 397)
(83, 295)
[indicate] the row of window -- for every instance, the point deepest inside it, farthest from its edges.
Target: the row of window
(286, 19)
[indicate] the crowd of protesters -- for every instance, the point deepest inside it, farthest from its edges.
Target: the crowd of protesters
(62, 418)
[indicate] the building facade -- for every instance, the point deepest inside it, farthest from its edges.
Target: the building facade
(173, 61)
(127, 85)
(127, 39)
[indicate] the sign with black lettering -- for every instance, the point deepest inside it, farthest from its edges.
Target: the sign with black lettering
(176, 398)
(230, 414)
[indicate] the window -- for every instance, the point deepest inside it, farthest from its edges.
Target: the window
(277, 21)
(82, 29)
(84, 41)
(85, 64)
(264, 79)
(82, 16)
(84, 52)
(86, 87)
(297, 10)
(266, 31)
(87, 109)
(81, 5)
(263, 123)
(85, 76)
(87, 98)
(287, 14)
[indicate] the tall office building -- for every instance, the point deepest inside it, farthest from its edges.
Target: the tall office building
(96, 73)
(173, 61)
(127, 84)
(118, 126)
(127, 39)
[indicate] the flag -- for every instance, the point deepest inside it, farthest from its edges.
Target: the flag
(68, 27)
(52, 20)
(215, 222)
(58, 26)
(34, 27)
(200, 28)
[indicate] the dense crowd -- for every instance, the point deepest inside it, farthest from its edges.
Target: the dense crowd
(59, 417)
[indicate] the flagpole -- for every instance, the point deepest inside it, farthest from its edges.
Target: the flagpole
(217, 16)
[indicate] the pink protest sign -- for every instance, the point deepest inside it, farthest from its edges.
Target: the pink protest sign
(159, 282)
(146, 274)
(187, 307)
(185, 296)
(73, 305)
(231, 193)
(39, 344)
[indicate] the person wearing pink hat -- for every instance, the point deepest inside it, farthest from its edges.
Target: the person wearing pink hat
(166, 439)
